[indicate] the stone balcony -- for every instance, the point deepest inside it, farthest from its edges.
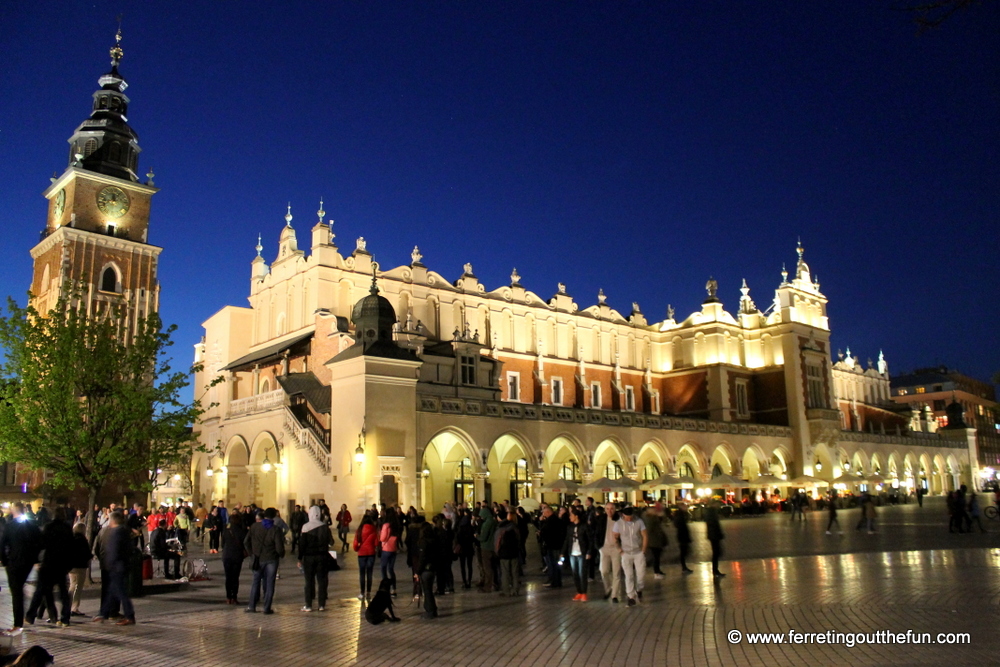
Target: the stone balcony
(272, 400)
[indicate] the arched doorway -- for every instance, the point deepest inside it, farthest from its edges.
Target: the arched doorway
(508, 455)
(266, 466)
(442, 456)
(237, 479)
(562, 461)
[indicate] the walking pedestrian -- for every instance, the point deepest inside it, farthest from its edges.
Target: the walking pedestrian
(427, 566)
(79, 566)
(115, 560)
(832, 509)
(296, 520)
(315, 543)
(657, 535)
(611, 559)
(365, 545)
(868, 512)
(390, 537)
(56, 554)
(19, 547)
(551, 535)
(508, 550)
(343, 524)
(266, 545)
(233, 554)
(713, 531)
(975, 513)
(214, 526)
(680, 518)
(577, 549)
(465, 538)
(487, 552)
(630, 534)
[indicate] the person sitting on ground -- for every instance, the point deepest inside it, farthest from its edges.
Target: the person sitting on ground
(158, 549)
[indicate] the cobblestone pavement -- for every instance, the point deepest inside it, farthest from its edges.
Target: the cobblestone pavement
(913, 575)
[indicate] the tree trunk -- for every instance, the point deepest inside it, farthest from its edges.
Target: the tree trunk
(91, 515)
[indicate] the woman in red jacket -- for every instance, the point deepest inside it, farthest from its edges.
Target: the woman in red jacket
(365, 541)
(343, 525)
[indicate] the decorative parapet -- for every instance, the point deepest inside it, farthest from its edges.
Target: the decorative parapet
(272, 400)
(911, 440)
(553, 413)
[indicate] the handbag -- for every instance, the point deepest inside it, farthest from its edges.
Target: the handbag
(331, 561)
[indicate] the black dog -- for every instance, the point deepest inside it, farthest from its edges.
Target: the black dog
(380, 608)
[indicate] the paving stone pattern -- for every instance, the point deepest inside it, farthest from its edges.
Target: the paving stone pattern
(913, 575)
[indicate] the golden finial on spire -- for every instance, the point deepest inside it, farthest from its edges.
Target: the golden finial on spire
(116, 50)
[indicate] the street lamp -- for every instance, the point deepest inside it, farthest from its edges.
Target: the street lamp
(359, 452)
(266, 466)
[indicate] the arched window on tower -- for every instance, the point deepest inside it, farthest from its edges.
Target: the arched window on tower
(109, 280)
(89, 147)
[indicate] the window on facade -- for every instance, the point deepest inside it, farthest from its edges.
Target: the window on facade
(613, 470)
(468, 370)
(814, 387)
(686, 470)
(742, 401)
(89, 147)
(109, 280)
(650, 471)
(463, 471)
(716, 470)
(921, 390)
(557, 391)
(513, 386)
(570, 470)
(901, 392)
(656, 402)
(595, 394)
(519, 485)
(630, 399)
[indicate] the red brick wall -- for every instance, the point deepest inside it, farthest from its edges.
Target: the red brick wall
(685, 394)
(768, 398)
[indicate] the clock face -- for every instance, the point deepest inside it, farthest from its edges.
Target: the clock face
(113, 201)
(60, 203)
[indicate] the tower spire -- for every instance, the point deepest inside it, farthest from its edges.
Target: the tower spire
(116, 50)
(104, 142)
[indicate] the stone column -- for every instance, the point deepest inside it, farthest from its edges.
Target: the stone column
(479, 480)
(536, 485)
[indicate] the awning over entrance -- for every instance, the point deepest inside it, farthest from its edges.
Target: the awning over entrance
(267, 352)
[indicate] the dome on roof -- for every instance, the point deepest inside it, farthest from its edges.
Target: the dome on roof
(374, 318)
(376, 307)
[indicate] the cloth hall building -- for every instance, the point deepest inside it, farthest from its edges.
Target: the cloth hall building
(362, 384)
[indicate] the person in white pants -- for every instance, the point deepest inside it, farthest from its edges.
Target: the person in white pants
(611, 558)
(630, 533)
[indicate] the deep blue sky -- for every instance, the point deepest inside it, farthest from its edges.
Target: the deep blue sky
(638, 147)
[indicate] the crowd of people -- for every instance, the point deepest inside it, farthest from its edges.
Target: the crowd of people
(614, 542)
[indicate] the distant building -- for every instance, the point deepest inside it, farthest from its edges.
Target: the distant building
(929, 391)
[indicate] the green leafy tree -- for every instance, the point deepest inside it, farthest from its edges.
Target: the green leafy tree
(87, 398)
